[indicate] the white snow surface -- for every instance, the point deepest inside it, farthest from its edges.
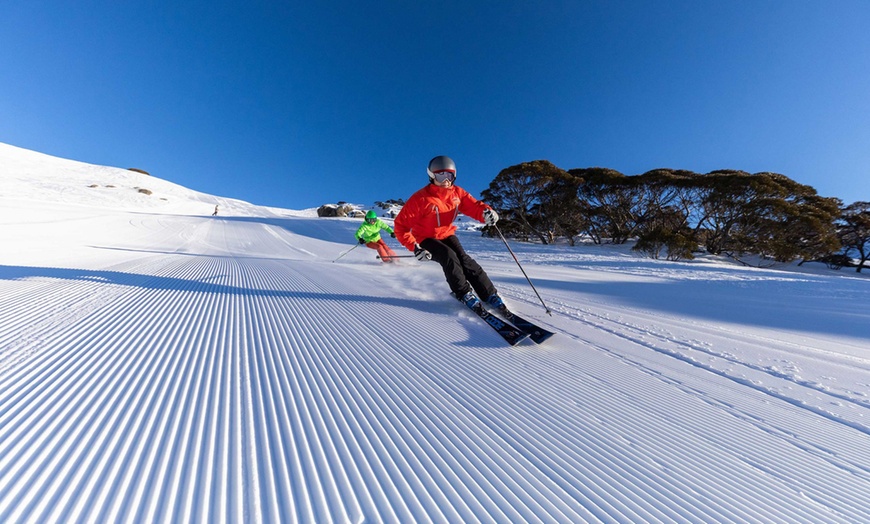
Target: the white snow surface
(159, 364)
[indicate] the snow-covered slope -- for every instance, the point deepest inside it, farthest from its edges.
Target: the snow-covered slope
(158, 364)
(36, 177)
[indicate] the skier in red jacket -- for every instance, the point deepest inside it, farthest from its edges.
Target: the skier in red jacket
(425, 226)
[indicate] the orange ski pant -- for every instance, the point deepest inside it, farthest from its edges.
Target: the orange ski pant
(383, 250)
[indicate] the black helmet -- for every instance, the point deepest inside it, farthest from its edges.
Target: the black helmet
(441, 166)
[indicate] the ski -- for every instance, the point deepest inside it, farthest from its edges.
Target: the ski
(508, 332)
(535, 332)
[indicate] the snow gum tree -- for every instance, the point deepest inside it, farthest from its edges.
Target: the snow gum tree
(669, 211)
(853, 230)
(610, 200)
(536, 200)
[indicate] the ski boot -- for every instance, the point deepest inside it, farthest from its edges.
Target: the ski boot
(495, 301)
(470, 301)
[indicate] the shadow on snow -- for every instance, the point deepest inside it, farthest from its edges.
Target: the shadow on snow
(120, 278)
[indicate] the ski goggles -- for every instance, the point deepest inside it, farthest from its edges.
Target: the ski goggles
(441, 176)
(371, 220)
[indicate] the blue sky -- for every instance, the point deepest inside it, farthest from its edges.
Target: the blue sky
(295, 104)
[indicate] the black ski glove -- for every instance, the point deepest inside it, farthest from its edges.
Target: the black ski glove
(490, 217)
(421, 253)
(393, 234)
(361, 241)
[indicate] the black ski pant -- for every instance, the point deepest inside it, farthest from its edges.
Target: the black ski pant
(461, 271)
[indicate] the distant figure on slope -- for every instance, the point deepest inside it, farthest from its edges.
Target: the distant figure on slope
(215, 211)
(425, 226)
(369, 233)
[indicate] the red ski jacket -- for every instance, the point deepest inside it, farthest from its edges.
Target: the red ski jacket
(430, 213)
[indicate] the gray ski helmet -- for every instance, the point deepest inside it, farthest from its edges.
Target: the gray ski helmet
(439, 164)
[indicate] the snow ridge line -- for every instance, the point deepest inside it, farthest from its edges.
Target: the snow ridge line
(338, 372)
(413, 401)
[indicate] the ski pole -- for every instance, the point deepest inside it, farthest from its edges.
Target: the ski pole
(346, 252)
(397, 256)
(521, 269)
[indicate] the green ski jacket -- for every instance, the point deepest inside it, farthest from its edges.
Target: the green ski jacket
(372, 232)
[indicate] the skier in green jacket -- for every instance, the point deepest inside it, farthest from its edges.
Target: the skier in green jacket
(369, 233)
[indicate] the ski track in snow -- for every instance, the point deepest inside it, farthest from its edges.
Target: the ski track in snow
(220, 370)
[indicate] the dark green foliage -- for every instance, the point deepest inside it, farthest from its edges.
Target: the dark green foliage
(853, 230)
(766, 214)
(536, 200)
(666, 230)
(673, 212)
(609, 202)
